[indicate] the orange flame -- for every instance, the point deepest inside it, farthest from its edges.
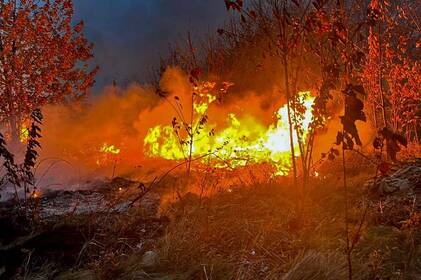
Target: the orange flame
(109, 149)
(242, 142)
(36, 194)
(24, 134)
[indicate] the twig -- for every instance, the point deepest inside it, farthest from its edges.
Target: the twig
(162, 177)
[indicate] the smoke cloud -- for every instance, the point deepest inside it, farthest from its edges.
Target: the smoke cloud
(121, 117)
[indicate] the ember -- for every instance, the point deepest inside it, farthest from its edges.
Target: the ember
(36, 194)
(24, 135)
(108, 154)
(110, 149)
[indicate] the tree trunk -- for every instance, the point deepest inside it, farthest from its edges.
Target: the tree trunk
(291, 129)
(348, 248)
(14, 132)
(381, 79)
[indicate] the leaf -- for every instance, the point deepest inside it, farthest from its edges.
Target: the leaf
(228, 4)
(78, 27)
(351, 128)
(377, 143)
(393, 140)
(350, 143)
(331, 156)
(174, 122)
(401, 139)
(354, 111)
(354, 108)
(373, 15)
(339, 138)
(161, 93)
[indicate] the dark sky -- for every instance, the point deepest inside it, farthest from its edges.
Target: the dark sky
(130, 35)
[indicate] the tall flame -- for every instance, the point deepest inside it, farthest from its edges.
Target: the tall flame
(242, 142)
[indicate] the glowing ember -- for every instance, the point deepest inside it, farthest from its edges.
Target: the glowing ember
(36, 194)
(242, 142)
(108, 154)
(109, 149)
(24, 135)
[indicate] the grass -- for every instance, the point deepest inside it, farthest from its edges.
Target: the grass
(270, 231)
(256, 232)
(262, 230)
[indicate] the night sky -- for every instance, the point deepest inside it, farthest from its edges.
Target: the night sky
(130, 35)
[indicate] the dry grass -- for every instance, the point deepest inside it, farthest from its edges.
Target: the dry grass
(270, 231)
(252, 233)
(267, 231)
(314, 265)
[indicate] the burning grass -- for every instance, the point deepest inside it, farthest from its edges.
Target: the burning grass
(239, 142)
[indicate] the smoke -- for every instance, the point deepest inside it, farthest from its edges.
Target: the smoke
(326, 138)
(74, 134)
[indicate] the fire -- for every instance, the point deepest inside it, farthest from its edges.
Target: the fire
(242, 142)
(108, 152)
(24, 135)
(36, 194)
(109, 149)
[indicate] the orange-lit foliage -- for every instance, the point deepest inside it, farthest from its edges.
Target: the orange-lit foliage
(43, 59)
(391, 74)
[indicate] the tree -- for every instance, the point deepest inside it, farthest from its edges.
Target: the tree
(43, 59)
(281, 24)
(392, 70)
(306, 37)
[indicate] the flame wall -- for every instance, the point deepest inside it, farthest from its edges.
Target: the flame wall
(78, 133)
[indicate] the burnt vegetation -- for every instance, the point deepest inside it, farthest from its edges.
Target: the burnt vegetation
(341, 203)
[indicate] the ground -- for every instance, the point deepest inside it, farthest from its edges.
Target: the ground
(259, 230)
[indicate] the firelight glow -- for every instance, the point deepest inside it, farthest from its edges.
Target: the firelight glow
(241, 142)
(24, 134)
(109, 149)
